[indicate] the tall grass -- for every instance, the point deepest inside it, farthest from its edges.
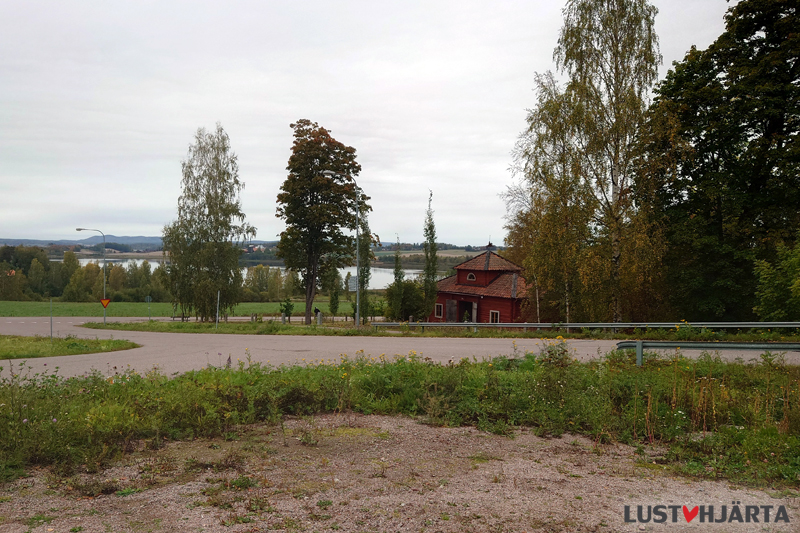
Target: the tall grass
(738, 421)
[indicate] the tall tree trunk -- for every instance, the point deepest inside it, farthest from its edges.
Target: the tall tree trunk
(311, 289)
(616, 253)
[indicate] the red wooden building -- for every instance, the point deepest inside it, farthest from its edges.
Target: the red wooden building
(486, 288)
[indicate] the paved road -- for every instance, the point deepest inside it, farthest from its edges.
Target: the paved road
(179, 352)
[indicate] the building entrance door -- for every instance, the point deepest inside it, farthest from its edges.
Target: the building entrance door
(451, 311)
(467, 311)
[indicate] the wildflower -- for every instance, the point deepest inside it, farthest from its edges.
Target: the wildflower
(55, 420)
(24, 420)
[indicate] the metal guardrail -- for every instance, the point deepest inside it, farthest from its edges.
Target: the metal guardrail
(592, 325)
(639, 346)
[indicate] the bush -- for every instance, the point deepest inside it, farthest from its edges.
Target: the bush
(412, 301)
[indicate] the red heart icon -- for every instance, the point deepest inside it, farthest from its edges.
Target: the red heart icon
(689, 515)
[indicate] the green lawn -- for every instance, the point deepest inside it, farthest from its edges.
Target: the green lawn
(134, 309)
(15, 347)
(270, 326)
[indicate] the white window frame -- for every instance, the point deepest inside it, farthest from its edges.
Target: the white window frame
(494, 315)
(438, 311)
(471, 277)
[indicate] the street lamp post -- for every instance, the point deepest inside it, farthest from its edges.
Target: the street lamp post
(358, 256)
(330, 173)
(104, 265)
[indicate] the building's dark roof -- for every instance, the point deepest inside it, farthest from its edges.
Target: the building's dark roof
(488, 261)
(506, 285)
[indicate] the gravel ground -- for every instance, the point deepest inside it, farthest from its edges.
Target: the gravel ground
(356, 473)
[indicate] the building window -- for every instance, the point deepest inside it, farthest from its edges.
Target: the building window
(439, 311)
(471, 277)
(494, 317)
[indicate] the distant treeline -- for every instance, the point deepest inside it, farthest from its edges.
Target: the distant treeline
(266, 257)
(27, 273)
(417, 261)
(126, 248)
(441, 246)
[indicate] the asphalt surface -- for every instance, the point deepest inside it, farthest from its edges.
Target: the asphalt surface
(180, 352)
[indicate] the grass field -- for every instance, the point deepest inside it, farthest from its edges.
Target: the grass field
(271, 310)
(134, 309)
(274, 327)
(270, 327)
(15, 347)
(717, 420)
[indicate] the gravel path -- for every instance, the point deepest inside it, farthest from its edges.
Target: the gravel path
(353, 473)
(179, 352)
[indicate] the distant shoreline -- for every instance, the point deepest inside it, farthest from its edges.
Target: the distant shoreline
(122, 255)
(410, 260)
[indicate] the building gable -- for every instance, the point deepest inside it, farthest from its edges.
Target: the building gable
(486, 288)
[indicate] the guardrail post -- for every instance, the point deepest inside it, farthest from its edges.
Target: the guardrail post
(639, 353)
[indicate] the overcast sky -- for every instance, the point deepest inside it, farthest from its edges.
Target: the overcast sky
(99, 102)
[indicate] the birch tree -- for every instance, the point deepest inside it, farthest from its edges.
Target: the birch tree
(553, 207)
(203, 245)
(609, 50)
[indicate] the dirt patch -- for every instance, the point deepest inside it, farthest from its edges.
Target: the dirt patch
(374, 473)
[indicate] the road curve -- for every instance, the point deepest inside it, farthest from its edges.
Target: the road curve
(180, 352)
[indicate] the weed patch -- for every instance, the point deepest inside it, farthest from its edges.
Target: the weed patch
(719, 420)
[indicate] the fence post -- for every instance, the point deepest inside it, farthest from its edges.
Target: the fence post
(639, 353)
(217, 323)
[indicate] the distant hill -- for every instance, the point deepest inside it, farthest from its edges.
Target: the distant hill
(138, 242)
(134, 242)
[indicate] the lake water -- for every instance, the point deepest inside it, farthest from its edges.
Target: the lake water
(380, 277)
